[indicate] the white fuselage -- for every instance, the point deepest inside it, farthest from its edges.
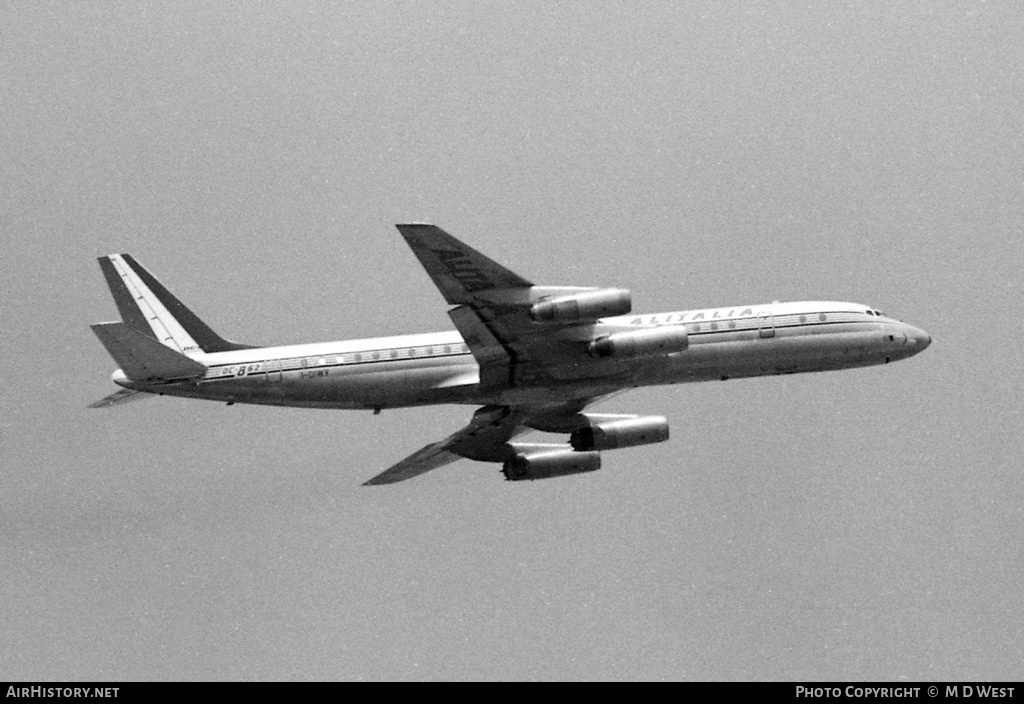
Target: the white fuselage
(413, 370)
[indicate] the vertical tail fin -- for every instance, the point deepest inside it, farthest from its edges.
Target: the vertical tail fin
(148, 307)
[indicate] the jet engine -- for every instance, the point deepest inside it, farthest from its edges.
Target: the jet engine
(641, 343)
(546, 464)
(625, 432)
(590, 305)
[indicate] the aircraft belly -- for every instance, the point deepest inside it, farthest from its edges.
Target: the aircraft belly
(373, 385)
(383, 385)
(378, 385)
(782, 354)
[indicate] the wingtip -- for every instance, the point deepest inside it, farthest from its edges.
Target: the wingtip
(371, 482)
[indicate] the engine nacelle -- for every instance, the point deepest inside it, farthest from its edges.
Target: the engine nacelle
(546, 464)
(590, 305)
(641, 343)
(627, 432)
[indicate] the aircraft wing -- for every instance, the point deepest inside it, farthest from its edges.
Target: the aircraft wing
(485, 438)
(421, 462)
(493, 314)
(459, 271)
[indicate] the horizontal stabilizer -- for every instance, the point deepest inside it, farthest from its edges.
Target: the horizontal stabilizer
(142, 357)
(121, 397)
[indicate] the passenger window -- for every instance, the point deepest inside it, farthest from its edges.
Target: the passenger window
(732, 324)
(803, 318)
(714, 326)
(821, 317)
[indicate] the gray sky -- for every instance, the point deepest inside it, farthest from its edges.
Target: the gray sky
(862, 524)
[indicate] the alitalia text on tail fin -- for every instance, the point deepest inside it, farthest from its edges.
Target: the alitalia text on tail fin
(149, 308)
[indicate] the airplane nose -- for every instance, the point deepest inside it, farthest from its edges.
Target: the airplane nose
(919, 338)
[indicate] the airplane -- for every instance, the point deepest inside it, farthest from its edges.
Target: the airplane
(531, 357)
